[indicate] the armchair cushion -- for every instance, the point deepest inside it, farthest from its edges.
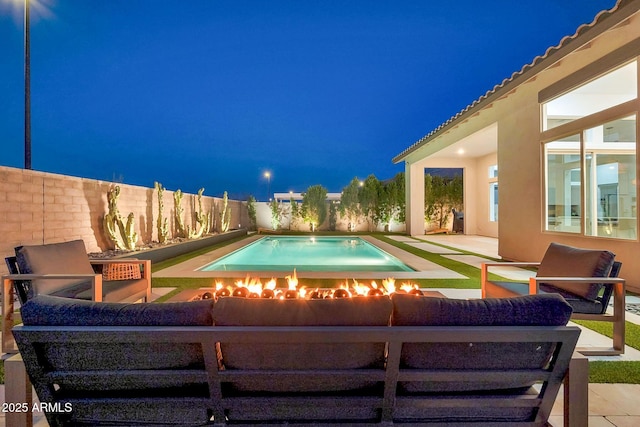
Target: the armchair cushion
(530, 310)
(55, 258)
(578, 304)
(358, 311)
(567, 261)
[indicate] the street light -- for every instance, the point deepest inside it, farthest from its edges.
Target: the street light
(268, 176)
(27, 89)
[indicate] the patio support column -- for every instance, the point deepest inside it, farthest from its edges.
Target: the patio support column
(414, 188)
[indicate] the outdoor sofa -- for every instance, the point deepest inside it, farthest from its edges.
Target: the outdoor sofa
(65, 270)
(402, 359)
(570, 272)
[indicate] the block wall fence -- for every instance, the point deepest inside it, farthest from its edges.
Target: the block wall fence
(40, 207)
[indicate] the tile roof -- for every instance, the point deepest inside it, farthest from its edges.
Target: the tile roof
(529, 70)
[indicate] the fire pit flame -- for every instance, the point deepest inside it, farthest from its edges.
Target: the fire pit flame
(292, 281)
(254, 288)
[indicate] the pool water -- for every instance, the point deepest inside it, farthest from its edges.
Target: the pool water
(284, 253)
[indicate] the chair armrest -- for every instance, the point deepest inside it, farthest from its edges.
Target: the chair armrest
(534, 283)
(579, 279)
(14, 277)
(96, 280)
(484, 268)
(511, 264)
(484, 271)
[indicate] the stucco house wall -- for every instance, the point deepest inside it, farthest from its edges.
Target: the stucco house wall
(520, 159)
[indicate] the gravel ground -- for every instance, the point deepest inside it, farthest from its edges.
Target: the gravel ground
(633, 308)
(115, 252)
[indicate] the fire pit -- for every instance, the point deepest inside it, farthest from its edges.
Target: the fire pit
(256, 288)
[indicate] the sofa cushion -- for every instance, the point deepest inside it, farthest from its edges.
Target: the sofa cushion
(530, 310)
(527, 310)
(358, 311)
(55, 258)
(46, 310)
(567, 261)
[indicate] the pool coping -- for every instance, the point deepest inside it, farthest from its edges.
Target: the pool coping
(424, 269)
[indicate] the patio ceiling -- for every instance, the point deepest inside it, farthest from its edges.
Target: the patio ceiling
(478, 144)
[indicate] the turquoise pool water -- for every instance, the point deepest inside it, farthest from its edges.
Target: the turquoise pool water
(284, 253)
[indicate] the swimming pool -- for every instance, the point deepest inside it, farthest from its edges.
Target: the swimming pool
(284, 253)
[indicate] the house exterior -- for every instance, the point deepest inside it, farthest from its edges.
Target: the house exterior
(557, 141)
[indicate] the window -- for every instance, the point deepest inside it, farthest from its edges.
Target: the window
(590, 166)
(610, 170)
(563, 185)
(493, 193)
(605, 92)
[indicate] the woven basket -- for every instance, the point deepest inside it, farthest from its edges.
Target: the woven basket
(121, 272)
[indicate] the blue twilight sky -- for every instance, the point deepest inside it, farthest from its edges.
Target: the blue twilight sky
(213, 93)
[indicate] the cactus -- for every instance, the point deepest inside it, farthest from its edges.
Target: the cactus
(163, 226)
(113, 216)
(225, 214)
(113, 223)
(129, 236)
(202, 219)
(181, 231)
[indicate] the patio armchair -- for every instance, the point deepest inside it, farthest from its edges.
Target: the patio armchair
(65, 270)
(570, 272)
